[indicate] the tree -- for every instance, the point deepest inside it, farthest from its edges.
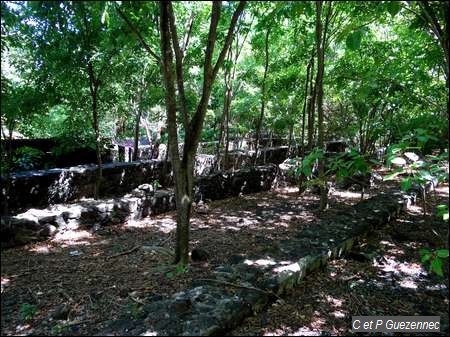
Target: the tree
(183, 166)
(231, 65)
(263, 92)
(74, 47)
(321, 36)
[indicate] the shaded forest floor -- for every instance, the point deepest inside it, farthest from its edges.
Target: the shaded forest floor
(384, 278)
(78, 282)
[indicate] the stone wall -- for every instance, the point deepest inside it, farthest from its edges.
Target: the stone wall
(46, 187)
(41, 188)
(40, 224)
(222, 185)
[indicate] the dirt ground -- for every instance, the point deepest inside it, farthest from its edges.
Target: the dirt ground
(384, 278)
(78, 282)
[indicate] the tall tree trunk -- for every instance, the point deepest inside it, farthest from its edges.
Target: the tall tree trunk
(146, 128)
(184, 204)
(291, 131)
(319, 82)
(98, 181)
(9, 163)
(306, 102)
(136, 133)
(219, 164)
(311, 109)
(224, 121)
(229, 77)
(94, 86)
(263, 95)
(227, 126)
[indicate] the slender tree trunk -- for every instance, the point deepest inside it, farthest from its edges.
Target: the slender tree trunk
(220, 139)
(97, 146)
(291, 131)
(136, 134)
(306, 102)
(308, 69)
(9, 163)
(263, 95)
(319, 82)
(224, 120)
(227, 130)
(311, 109)
(147, 129)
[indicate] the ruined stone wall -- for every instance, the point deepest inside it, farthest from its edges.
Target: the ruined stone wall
(41, 188)
(45, 187)
(39, 224)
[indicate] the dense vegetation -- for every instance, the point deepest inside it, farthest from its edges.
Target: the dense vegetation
(372, 73)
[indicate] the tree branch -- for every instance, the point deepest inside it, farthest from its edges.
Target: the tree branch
(137, 33)
(188, 35)
(209, 72)
(178, 67)
(167, 72)
(229, 37)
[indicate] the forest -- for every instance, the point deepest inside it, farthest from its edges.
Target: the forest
(233, 168)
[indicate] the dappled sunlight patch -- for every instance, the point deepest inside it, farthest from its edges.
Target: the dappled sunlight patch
(317, 322)
(283, 331)
(390, 264)
(286, 190)
(286, 217)
(23, 330)
(387, 243)
(104, 242)
(306, 331)
(287, 331)
(293, 267)
(408, 275)
(396, 251)
(415, 210)
(149, 333)
(165, 224)
(347, 194)
(436, 287)
(334, 302)
(73, 238)
(442, 190)
(42, 249)
(261, 262)
(339, 314)
(5, 282)
(408, 283)
(237, 222)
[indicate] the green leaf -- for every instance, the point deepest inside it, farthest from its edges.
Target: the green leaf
(393, 7)
(442, 253)
(436, 267)
(353, 41)
(392, 175)
(406, 184)
(425, 258)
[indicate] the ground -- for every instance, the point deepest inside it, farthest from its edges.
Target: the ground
(78, 282)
